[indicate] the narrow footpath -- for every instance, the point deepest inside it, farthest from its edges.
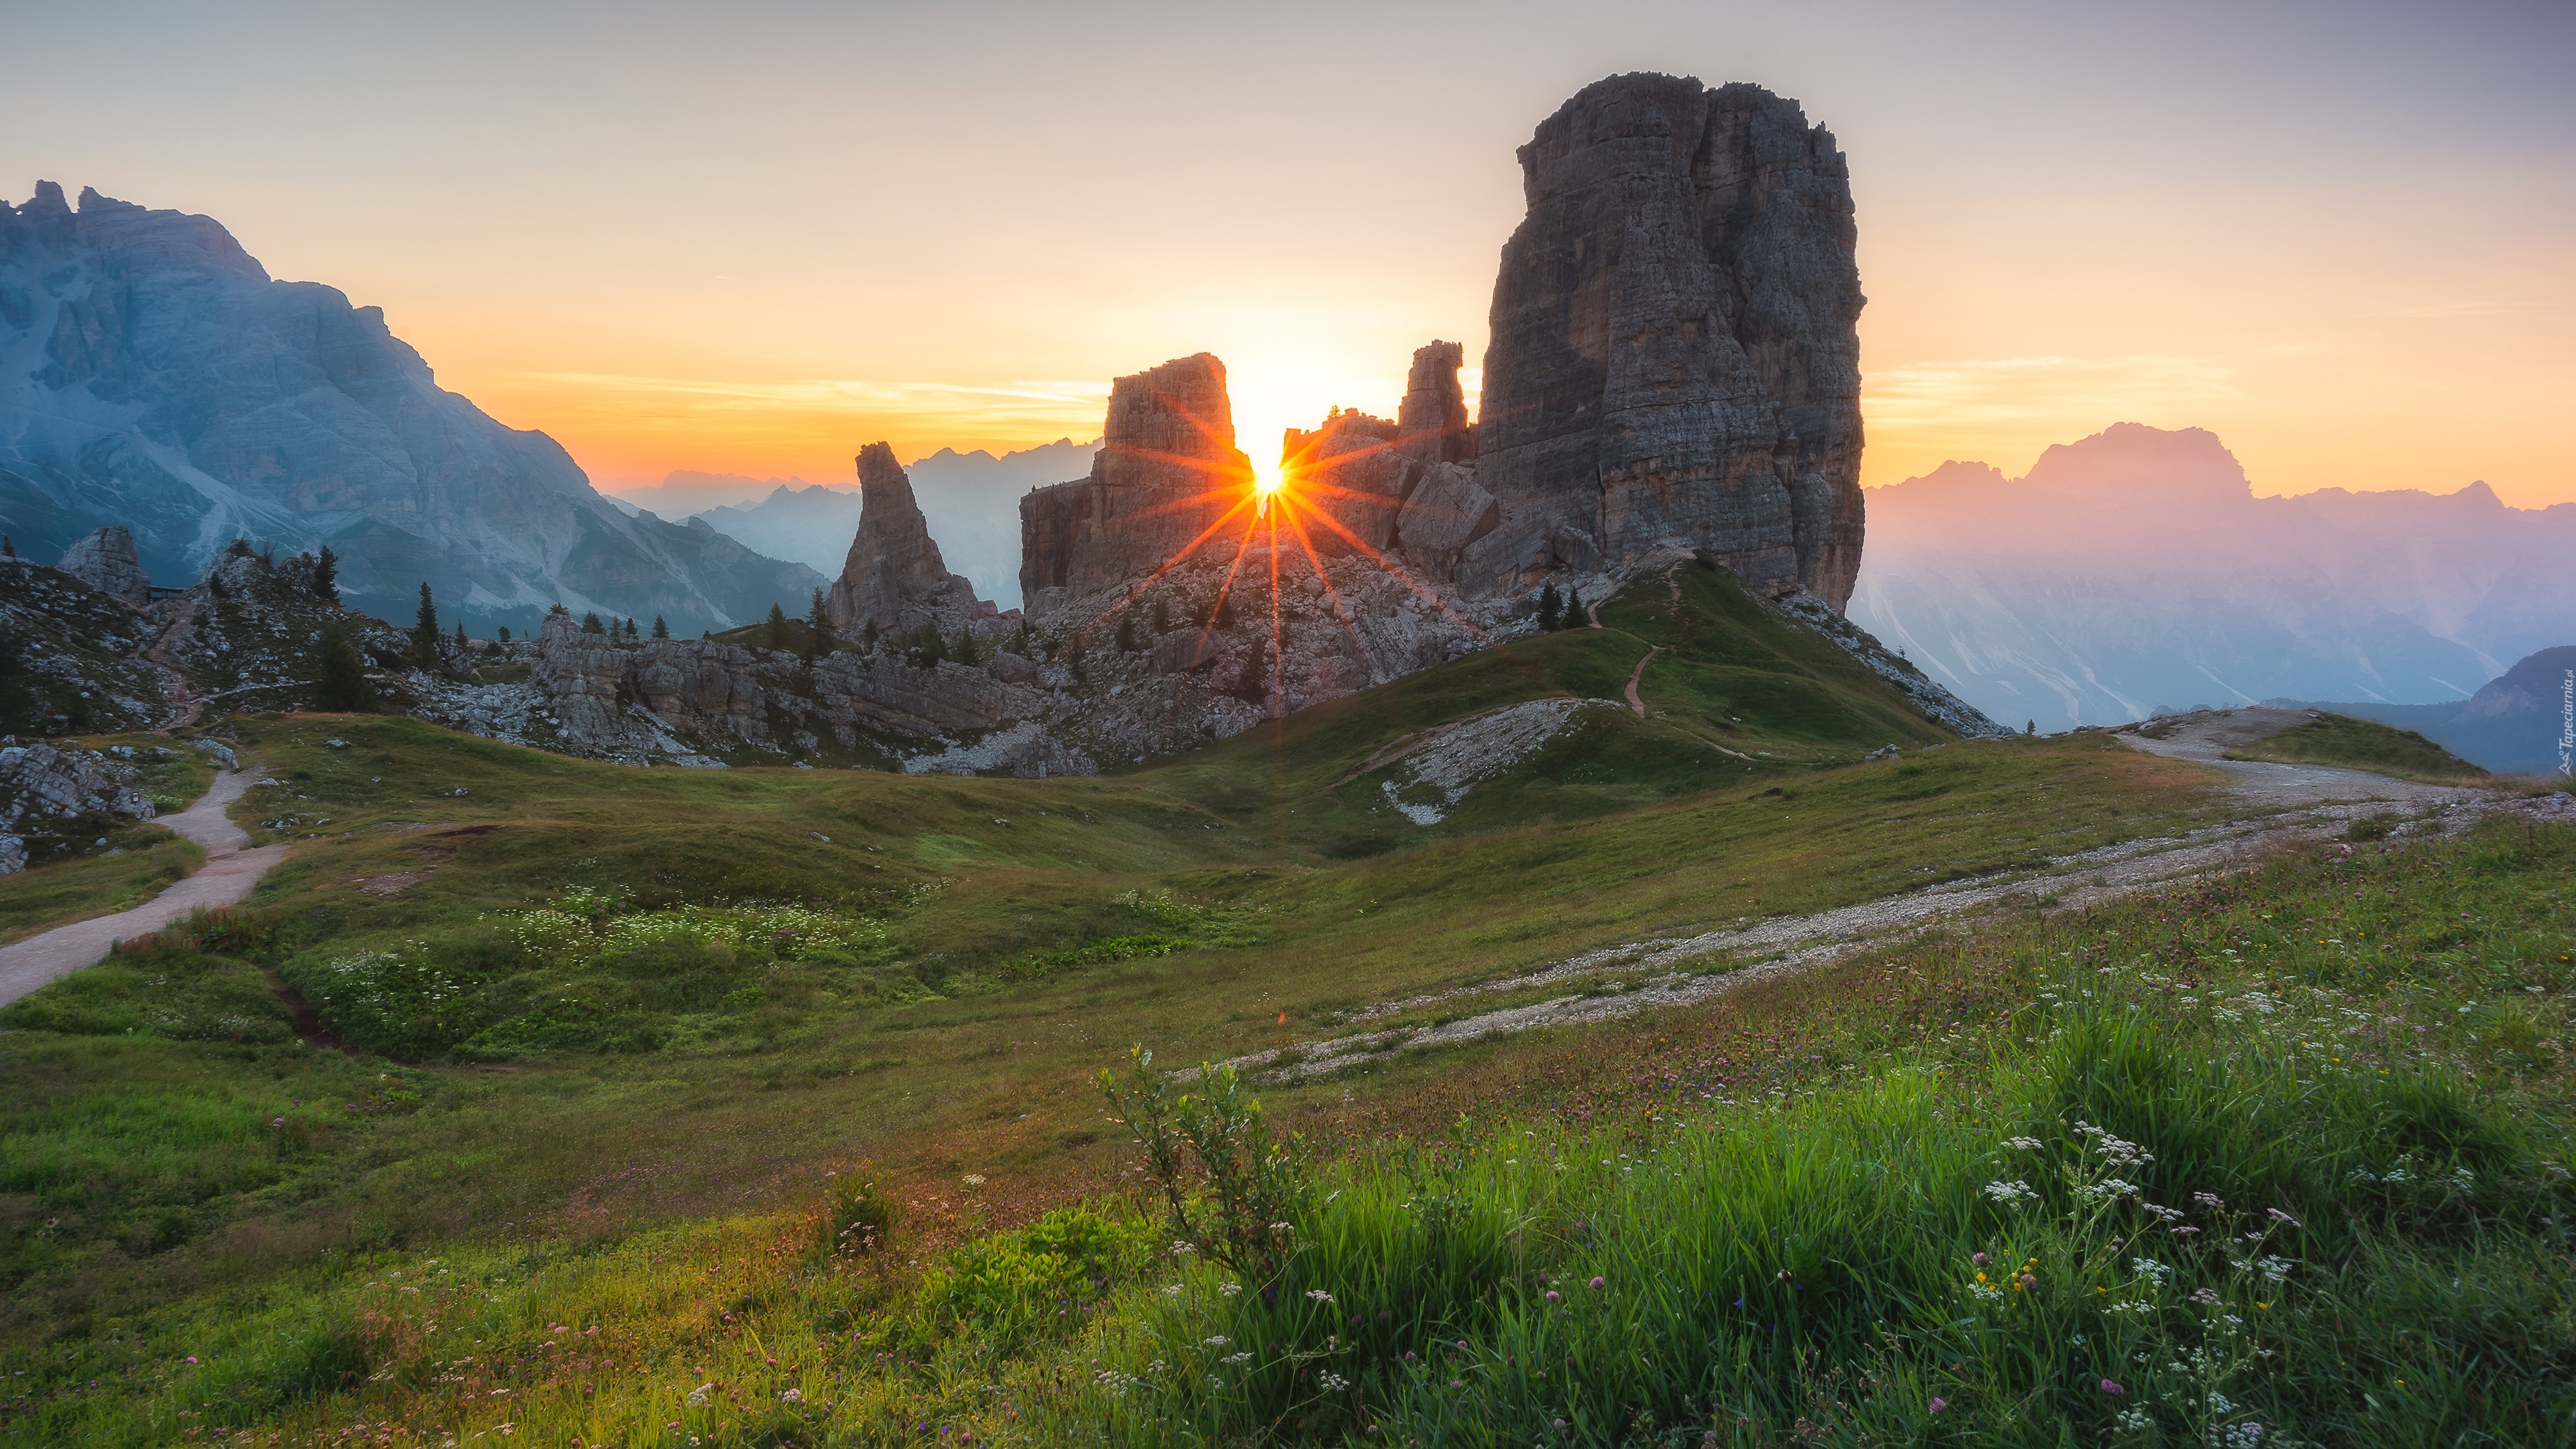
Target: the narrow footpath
(2286, 805)
(225, 879)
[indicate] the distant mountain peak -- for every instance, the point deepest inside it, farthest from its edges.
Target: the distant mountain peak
(2138, 460)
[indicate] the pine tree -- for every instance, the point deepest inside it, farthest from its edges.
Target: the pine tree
(1548, 605)
(326, 576)
(773, 634)
(1020, 640)
(424, 631)
(342, 686)
(660, 630)
(1126, 633)
(8, 549)
(503, 634)
(461, 641)
(1574, 609)
(818, 627)
(871, 637)
(2032, 728)
(933, 648)
(590, 624)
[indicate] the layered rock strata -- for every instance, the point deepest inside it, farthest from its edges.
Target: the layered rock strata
(894, 580)
(1675, 355)
(1167, 474)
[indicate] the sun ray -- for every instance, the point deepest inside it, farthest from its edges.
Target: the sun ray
(1350, 626)
(1402, 575)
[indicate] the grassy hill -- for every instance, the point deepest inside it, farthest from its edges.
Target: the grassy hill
(2363, 744)
(592, 1058)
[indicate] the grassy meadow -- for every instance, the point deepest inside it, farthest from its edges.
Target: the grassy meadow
(554, 1102)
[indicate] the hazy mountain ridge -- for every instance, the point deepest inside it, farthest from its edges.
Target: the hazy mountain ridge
(153, 375)
(2137, 570)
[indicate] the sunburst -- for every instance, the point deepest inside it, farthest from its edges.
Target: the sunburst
(1294, 497)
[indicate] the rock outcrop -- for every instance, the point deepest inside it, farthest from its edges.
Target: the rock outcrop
(1347, 471)
(1432, 420)
(1675, 355)
(1167, 474)
(158, 379)
(894, 581)
(41, 786)
(106, 561)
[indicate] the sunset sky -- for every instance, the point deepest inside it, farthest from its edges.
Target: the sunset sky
(750, 238)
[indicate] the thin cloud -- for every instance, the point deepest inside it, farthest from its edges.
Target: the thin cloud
(1949, 396)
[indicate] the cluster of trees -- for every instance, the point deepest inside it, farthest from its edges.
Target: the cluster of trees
(1558, 612)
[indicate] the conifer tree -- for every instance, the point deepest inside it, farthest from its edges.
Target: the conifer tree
(1548, 605)
(773, 634)
(342, 686)
(326, 576)
(661, 630)
(424, 630)
(1574, 609)
(590, 624)
(503, 634)
(818, 627)
(1126, 633)
(933, 648)
(461, 641)
(8, 549)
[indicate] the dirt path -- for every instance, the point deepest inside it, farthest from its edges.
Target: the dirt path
(1638, 673)
(2285, 805)
(226, 878)
(2206, 737)
(186, 708)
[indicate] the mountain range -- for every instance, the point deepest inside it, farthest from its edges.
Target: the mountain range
(2136, 570)
(153, 375)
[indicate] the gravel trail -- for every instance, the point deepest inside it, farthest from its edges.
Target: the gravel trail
(226, 878)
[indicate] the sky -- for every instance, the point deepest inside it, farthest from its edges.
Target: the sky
(751, 238)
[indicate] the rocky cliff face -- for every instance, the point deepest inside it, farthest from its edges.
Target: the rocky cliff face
(1675, 355)
(153, 376)
(106, 561)
(894, 581)
(1167, 472)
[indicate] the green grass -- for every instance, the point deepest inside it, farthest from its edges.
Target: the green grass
(1783, 1198)
(593, 1037)
(2362, 744)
